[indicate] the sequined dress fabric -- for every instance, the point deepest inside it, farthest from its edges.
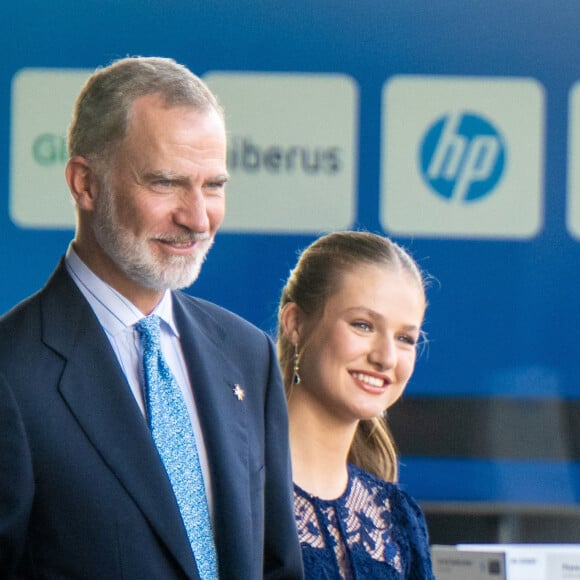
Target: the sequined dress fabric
(374, 530)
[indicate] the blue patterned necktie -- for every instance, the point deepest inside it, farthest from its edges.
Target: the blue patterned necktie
(173, 435)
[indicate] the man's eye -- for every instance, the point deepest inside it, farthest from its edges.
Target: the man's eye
(216, 184)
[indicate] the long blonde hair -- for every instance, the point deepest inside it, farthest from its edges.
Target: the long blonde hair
(314, 279)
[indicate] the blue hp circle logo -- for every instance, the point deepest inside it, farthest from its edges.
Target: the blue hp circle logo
(462, 157)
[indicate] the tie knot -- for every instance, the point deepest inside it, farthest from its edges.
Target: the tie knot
(148, 328)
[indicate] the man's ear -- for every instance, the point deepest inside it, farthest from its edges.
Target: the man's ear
(292, 320)
(81, 182)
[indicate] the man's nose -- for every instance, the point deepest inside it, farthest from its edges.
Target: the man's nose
(192, 211)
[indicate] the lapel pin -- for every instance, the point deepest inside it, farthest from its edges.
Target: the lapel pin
(239, 392)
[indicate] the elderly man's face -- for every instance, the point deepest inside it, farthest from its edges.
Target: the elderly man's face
(164, 197)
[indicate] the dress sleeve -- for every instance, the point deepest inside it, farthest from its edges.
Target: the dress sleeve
(414, 527)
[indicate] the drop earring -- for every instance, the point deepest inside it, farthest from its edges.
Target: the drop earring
(297, 378)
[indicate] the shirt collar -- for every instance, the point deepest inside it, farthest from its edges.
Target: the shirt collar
(114, 311)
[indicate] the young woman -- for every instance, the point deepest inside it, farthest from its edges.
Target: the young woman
(350, 320)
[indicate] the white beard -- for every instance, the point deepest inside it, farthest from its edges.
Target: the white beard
(134, 257)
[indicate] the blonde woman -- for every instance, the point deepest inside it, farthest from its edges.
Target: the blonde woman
(350, 320)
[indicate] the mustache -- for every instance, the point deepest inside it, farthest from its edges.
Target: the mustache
(182, 237)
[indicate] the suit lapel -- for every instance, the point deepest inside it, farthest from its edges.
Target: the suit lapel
(223, 417)
(99, 397)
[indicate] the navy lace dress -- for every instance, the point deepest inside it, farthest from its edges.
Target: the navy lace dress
(374, 530)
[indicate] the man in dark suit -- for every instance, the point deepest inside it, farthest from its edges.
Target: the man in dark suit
(84, 491)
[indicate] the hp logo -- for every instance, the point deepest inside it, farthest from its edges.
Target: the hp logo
(462, 157)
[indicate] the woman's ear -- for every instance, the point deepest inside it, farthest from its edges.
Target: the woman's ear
(291, 320)
(81, 182)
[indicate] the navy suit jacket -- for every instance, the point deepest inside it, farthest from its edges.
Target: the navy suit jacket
(86, 495)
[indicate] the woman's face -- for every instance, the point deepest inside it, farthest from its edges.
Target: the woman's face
(360, 355)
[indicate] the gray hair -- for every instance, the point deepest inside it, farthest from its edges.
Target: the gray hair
(102, 109)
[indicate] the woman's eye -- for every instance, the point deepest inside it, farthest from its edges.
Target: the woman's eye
(361, 325)
(408, 339)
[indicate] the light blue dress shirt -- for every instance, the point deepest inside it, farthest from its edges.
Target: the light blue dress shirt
(118, 317)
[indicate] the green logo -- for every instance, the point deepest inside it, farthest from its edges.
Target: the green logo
(49, 149)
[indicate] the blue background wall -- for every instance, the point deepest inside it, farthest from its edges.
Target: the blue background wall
(504, 315)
